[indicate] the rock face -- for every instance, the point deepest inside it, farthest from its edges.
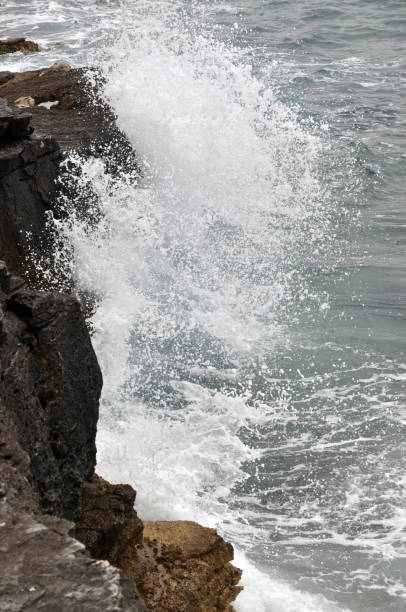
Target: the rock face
(28, 171)
(12, 45)
(178, 566)
(108, 524)
(14, 125)
(187, 568)
(50, 383)
(30, 164)
(46, 421)
(76, 122)
(42, 568)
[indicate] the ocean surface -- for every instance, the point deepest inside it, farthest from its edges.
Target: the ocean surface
(250, 286)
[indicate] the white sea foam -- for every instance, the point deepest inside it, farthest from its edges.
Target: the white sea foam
(191, 266)
(197, 247)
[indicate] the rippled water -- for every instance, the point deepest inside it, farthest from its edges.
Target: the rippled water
(251, 325)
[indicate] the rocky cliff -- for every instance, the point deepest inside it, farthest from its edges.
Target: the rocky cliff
(28, 170)
(50, 384)
(49, 391)
(178, 566)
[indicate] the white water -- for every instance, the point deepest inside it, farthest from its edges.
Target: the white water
(192, 266)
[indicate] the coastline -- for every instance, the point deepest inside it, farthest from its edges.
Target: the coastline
(192, 562)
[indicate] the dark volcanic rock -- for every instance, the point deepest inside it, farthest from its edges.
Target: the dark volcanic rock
(14, 125)
(12, 45)
(49, 388)
(29, 167)
(28, 171)
(74, 122)
(80, 121)
(108, 523)
(41, 566)
(50, 384)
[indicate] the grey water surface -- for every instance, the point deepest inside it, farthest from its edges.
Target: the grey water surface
(325, 496)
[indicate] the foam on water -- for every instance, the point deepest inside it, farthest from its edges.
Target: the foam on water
(190, 265)
(202, 274)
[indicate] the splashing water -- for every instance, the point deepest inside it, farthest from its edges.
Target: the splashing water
(204, 270)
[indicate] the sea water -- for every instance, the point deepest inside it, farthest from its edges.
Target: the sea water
(250, 319)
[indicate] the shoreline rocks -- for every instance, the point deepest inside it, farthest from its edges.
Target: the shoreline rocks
(50, 385)
(74, 119)
(13, 45)
(188, 567)
(28, 171)
(46, 418)
(31, 174)
(178, 566)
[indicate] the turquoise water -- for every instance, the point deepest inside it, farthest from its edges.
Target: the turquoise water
(254, 351)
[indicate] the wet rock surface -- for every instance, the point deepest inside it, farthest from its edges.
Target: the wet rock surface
(66, 116)
(43, 568)
(79, 120)
(108, 524)
(187, 568)
(12, 45)
(42, 410)
(178, 566)
(28, 173)
(14, 124)
(74, 121)
(50, 384)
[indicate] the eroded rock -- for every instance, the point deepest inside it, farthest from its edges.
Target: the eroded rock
(12, 45)
(187, 568)
(108, 524)
(14, 124)
(44, 353)
(28, 171)
(76, 122)
(43, 569)
(178, 566)
(50, 384)
(41, 566)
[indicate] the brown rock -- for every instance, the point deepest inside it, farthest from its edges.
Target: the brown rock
(187, 568)
(80, 121)
(60, 66)
(25, 101)
(178, 566)
(12, 45)
(108, 524)
(74, 122)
